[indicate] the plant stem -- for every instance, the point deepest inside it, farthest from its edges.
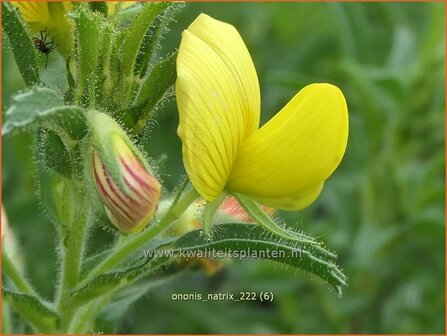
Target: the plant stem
(6, 319)
(73, 251)
(84, 320)
(180, 204)
(14, 274)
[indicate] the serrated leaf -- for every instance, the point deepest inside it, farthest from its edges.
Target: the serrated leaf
(152, 91)
(39, 105)
(253, 240)
(39, 314)
(21, 43)
(106, 283)
(134, 267)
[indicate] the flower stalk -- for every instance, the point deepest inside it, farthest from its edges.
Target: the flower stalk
(15, 275)
(185, 197)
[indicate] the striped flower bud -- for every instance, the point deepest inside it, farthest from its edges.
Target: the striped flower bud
(123, 179)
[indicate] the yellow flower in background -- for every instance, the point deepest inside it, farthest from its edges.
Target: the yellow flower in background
(52, 18)
(284, 163)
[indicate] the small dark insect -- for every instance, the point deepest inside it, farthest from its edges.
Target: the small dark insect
(43, 45)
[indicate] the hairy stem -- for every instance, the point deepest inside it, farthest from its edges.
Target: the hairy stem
(84, 320)
(179, 206)
(73, 248)
(15, 275)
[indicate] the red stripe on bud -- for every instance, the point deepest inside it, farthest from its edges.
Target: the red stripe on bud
(131, 210)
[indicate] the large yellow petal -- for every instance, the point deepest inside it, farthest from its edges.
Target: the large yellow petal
(285, 163)
(218, 99)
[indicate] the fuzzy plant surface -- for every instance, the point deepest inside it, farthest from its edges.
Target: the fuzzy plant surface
(90, 120)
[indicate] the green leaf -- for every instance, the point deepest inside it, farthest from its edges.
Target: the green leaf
(125, 16)
(87, 26)
(124, 298)
(112, 95)
(57, 187)
(153, 90)
(253, 240)
(103, 70)
(39, 314)
(131, 46)
(41, 105)
(137, 32)
(106, 283)
(21, 43)
(152, 40)
(52, 153)
(134, 267)
(99, 6)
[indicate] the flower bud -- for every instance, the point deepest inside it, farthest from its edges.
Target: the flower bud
(123, 179)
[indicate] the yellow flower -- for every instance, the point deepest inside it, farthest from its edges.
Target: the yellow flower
(50, 17)
(284, 163)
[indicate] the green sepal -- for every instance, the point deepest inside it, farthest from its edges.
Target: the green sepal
(40, 315)
(103, 129)
(209, 212)
(22, 45)
(262, 219)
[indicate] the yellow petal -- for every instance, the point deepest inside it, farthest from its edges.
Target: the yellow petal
(35, 13)
(285, 163)
(49, 18)
(218, 99)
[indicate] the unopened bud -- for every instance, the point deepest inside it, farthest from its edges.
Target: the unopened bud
(124, 181)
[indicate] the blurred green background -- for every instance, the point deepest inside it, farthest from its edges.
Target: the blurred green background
(382, 211)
